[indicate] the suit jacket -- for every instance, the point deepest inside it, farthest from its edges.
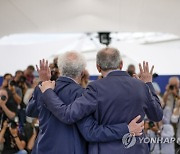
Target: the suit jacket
(56, 137)
(117, 98)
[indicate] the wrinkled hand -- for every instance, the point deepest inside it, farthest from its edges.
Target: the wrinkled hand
(47, 85)
(145, 75)
(136, 128)
(44, 70)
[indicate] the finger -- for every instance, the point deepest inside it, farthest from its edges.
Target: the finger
(142, 127)
(40, 87)
(37, 68)
(151, 72)
(53, 82)
(46, 65)
(140, 68)
(144, 66)
(40, 64)
(49, 71)
(137, 118)
(141, 123)
(135, 76)
(43, 64)
(138, 134)
(147, 67)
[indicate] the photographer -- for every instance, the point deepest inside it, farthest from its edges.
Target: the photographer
(7, 114)
(20, 81)
(14, 92)
(32, 130)
(28, 74)
(159, 133)
(6, 110)
(13, 141)
(172, 93)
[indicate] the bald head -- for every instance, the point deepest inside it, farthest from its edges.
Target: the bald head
(108, 59)
(174, 81)
(71, 64)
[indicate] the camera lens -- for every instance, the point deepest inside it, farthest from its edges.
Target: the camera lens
(12, 83)
(3, 97)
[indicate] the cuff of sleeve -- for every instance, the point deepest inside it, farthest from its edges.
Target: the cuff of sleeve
(125, 129)
(45, 97)
(150, 85)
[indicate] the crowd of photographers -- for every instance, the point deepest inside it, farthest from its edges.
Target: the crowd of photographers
(18, 132)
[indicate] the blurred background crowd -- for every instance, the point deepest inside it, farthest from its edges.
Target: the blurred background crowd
(18, 132)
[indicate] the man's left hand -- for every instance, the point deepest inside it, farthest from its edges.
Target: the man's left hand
(47, 85)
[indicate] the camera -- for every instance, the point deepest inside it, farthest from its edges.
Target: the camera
(171, 87)
(151, 124)
(12, 83)
(3, 97)
(13, 123)
(22, 79)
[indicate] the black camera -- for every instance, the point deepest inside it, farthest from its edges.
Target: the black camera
(171, 87)
(151, 124)
(22, 79)
(3, 97)
(12, 83)
(12, 124)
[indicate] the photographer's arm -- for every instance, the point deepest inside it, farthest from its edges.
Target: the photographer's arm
(31, 141)
(5, 125)
(8, 113)
(17, 94)
(20, 143)
(165, 96)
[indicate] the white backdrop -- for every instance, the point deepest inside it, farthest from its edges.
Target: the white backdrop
(21, 51)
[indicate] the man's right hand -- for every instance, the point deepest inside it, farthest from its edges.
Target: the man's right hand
(44, 70)
(47, 85)
(135, 127)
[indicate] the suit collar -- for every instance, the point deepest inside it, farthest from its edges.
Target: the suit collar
(118, 73)
(66, 79)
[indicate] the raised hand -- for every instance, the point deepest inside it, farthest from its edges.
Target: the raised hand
(145, 74)
(44, 70)
(47, 85)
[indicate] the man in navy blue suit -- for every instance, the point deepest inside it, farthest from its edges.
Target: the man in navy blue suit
(116, 98)
(56, 137)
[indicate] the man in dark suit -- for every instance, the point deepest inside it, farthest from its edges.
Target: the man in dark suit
(116, 98)
(56, 137)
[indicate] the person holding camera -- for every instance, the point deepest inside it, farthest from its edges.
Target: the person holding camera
(28, 74)
(171, 94)
(14, 92)
(31, 134)
(13, 141)
(20, 81)
(8, 127)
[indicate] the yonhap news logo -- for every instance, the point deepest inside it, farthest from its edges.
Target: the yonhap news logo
(129, 140)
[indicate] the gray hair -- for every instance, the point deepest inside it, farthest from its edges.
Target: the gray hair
(71, 64)
(108, 59)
